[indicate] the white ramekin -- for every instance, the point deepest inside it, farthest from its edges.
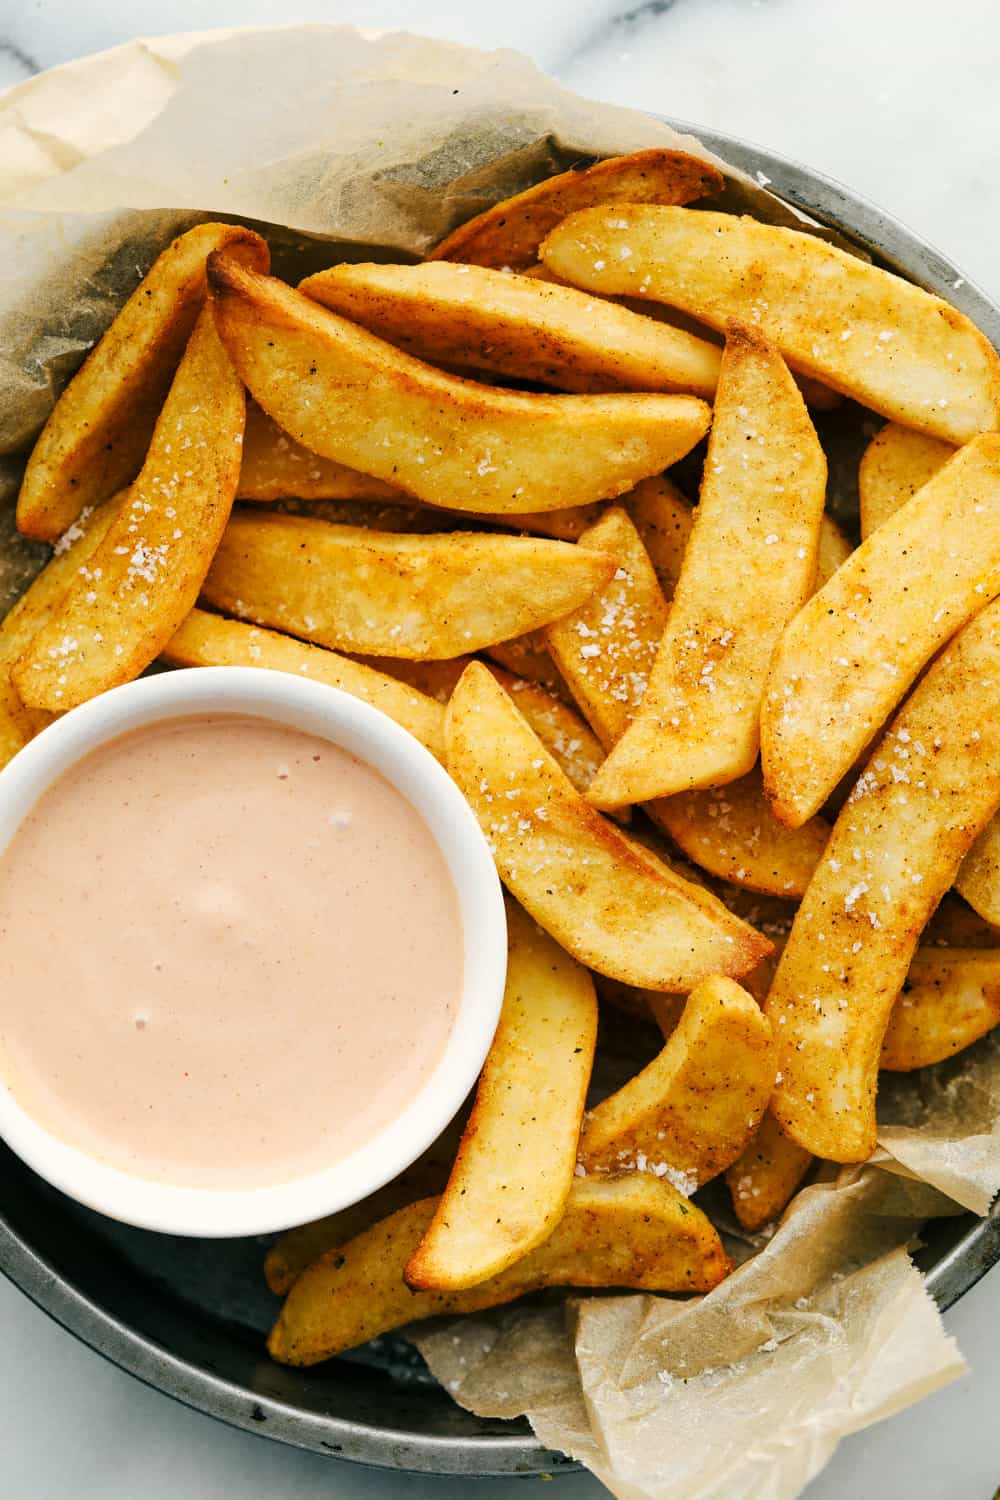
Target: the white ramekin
(403, 761)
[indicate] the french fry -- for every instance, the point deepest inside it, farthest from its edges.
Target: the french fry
(931, 784)
(528, 656)
(950, 999)
(145, 576)
(690, 1113)
(616, 1232)
(749, 565)
(896, 464)
(834, 550)
(764, 1178)
(276, 467)
(509, 234)
(564, 734)
(731, 832)
(26, 617)
(849, 656)
(436, 679)
(863, 331)
(512, 1177)
(297, 1248)
(605, 649)
(96, 437)
(626, 916)
(206, 640)
(492, 322)
(396, 595)
(345, 394)
(978, 877)
(565, 525)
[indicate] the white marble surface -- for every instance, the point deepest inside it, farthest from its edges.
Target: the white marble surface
(897, 98)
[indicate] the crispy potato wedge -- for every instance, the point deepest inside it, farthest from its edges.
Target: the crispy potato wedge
(860, 330)
(564, 734)
(849, 656)
(896, 464)
(144, 578)
(748, 567)
(496, 323)
(979, 874)
(931, 784)
(834, 550)
(950, 999)
(564, 525)
(626, 916)
(528, 656)
(605, 649)
(350, 396)
(276, 467)
(690, 1113)
(97, 434)
(34, 609)
(396, 595)
(731, 832)
(616, 1232)
(514, 1170)
(765, 1177)
(297, 1248)
(206, 640)
(508, 234)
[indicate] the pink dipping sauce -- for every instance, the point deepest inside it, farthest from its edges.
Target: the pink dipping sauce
(230, 952)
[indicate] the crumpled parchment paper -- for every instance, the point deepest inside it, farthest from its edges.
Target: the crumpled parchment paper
(337, 143)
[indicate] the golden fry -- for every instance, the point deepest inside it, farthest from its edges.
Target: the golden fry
(931, 784)
(96, 437)
(623, 913)
(496, 323)
(514, 1170)
(509, 233)
(349, 396)
(950, 999)
(896, 464)
(276, 467)
(689, 1114)
(528, 656)
(145, 576)
(749, 565)
(616, 1232)
(605, 649)
(863, 331)
(206, 640)
(850, 655)
(978, 877)
(763, 1180)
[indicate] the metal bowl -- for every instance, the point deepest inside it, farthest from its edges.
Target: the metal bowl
(188, 1316)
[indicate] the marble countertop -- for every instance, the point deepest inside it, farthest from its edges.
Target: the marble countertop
(896, 98)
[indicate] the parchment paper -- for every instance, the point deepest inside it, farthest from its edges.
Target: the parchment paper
(335, 142)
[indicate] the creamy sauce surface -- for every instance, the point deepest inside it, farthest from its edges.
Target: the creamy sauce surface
(230, 952)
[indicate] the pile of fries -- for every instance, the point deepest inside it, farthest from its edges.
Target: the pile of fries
(730, 766)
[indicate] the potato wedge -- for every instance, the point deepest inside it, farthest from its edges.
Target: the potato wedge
(616, 1232)
(509, 234)
(276, 467)
(297, 1248)
(978, 877)
(564, 734)
(956, 925)
(97, 434)
(626, 916)
(950, 999)
(206, 640)
(604, 650)
(749, 565)
(350, 396)
(514, 1170)
(528, 656)
(396, 595)
(145, 576)
(865, 332)
(26, 617)
(492, 322)
(731, 832)
(931, 784)
(564, 525)
(849, 656)
(896, 464)
(690, 1113)
(765, 1177)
